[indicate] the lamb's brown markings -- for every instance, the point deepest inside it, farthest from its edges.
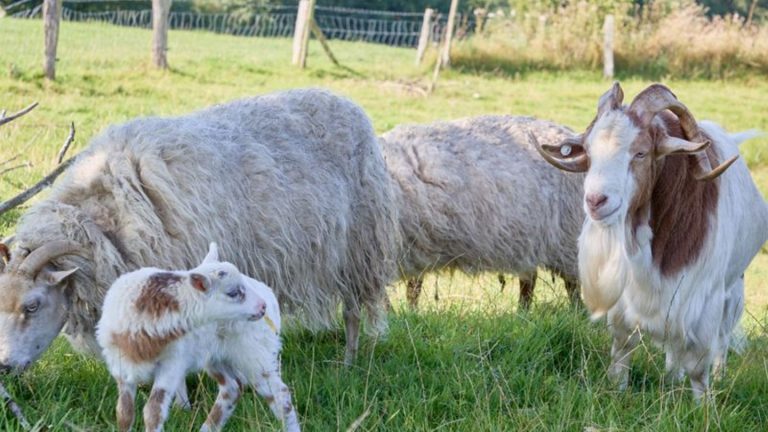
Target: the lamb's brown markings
(143, 347)
(154, 404)
(681, 208)
(125, 411)
(214, 418)
(154, 298)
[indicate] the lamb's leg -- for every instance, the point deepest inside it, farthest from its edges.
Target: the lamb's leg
(697, 366)
(182, 398)
(413, 291)
(624, 343)
(502, 281)
(527, 284)
(272, 388)
(167, 380)
(675, 372)
(352, 323)
(229, 393)
(126, 408)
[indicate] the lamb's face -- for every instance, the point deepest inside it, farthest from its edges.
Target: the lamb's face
(228, 296)
(32, 312)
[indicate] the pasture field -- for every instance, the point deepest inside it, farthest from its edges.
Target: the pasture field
(468, 362)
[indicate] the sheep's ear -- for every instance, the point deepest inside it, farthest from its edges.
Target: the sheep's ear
(200, 282)
(52, 278)
(213, 254)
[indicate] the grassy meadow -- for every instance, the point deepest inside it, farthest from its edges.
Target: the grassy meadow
(466, 362)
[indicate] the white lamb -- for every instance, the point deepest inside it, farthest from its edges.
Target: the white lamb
(160, 325)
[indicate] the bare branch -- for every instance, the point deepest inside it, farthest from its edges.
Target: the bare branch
(7, 170)
(67, 143)
(13, 117)
(34, 190)
(9, 402)
(9, 160)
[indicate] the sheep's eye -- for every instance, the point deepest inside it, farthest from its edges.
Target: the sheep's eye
(32, 307)
(640, 155)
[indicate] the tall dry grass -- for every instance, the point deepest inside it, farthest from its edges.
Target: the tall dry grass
(669, 40)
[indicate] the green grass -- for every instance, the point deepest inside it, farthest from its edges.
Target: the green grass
(468, 362)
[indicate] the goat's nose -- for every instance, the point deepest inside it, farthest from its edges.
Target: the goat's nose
(4, 368)
(596, 200)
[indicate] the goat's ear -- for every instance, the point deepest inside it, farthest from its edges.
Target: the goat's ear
(200, 282)
(52, 278)
(671, 145)
(213, 254)
(611, 100)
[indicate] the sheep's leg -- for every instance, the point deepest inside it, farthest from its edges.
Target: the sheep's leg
(278, 396)
(502, 281)
(352, 323)
(572, 288)
(126, 408)
(413, 291)
(182, 398)
(167, 381)
(624, 344)
(229, 393)
(527, 284)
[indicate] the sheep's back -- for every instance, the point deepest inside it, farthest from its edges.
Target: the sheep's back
(474, 194)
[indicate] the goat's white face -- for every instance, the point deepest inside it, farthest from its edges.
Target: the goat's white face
(610, 183)
(32, 313)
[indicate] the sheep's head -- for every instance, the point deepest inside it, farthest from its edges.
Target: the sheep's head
(33, 305)
(624, 148)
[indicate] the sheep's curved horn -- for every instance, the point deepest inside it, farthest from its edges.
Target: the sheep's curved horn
(560, 155)
(657, 98)
(39, 257)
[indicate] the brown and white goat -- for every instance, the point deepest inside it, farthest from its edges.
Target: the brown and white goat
(668, 237)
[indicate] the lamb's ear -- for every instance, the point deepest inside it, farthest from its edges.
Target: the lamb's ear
(213, 254)
(200, 282)
(52, 278)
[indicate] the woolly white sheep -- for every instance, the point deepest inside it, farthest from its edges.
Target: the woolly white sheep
(674, 219)
(474, 195)
(292, 184)
(160, 325)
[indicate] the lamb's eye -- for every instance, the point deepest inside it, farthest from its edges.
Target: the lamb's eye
(32, 307)
(221, 274)
(640, 155)
(236, 293)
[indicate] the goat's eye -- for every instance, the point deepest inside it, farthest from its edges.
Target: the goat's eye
(640, 155)
(32, 307)
(221, 274)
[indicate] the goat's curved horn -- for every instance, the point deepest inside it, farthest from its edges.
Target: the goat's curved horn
(610, 100)
(39, 257)
(715, 173)
(5, 256)
(561, 155)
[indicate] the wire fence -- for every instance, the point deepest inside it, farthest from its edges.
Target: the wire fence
(384, 27)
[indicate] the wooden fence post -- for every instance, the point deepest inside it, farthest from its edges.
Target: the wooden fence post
(161, 9)
(51, 21)
(446, 55)
(426, 32)
(298, 30)
(608, 47)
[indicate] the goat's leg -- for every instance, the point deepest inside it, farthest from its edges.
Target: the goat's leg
(697, 365)
(502, 281)
(527, 284)
(126, 408)
(229, 393)
(624, 343)
(272, 388)
(413, 291)
(167, 381)
(352, 324)
(675, 372)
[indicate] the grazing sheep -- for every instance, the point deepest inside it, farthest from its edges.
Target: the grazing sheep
(160, 325)
(292, 184)
(474, 195)
(668, 237)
